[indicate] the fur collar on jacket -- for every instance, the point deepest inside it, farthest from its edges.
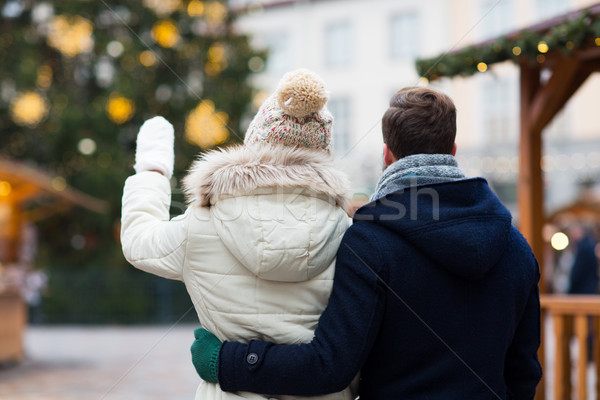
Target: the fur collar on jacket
(242, 169)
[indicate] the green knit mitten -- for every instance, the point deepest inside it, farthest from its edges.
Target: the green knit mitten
(205, 354)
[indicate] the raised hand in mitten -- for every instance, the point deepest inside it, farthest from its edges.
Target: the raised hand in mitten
(154, 150)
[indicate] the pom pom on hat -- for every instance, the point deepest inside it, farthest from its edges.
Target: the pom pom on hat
(301, 93)
(295, 115)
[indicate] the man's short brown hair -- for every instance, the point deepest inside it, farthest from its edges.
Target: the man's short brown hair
(419, 121)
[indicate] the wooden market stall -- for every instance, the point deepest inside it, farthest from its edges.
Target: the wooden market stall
(567, 48)
(27, 195)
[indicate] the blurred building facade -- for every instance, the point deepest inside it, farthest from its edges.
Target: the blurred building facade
(365, 51)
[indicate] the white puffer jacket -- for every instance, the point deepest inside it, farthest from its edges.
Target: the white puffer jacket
(255, 248)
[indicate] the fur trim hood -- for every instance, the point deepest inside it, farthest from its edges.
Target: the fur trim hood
(243, 169)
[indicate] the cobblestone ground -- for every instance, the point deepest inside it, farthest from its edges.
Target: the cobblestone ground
(108, 363)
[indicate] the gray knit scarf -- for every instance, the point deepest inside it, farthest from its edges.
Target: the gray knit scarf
(418, 169)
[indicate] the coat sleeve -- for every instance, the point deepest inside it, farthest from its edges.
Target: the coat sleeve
(344, 337)
(522, 369)
(150, 241)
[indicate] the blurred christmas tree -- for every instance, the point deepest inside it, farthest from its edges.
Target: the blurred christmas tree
(78, 78)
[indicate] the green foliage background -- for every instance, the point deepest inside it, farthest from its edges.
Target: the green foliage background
(83, 281)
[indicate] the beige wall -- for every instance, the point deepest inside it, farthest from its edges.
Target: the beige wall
(373, 76)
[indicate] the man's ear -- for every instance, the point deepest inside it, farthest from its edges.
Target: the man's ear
(454, 149)
(388, 156)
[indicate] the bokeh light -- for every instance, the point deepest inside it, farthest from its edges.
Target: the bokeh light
(120, 109)
(195, 8)
(115, 48)
(206, 127)
(147, 58)
(44, 77)
(256, 64)
(163, 7)
(28, 109)
(86, 146)
(71, 35)
(559, 241)
(165, 33)
(59, 183)
(215, 12)
(216, 59)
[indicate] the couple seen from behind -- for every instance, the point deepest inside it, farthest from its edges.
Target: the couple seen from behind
(428, 292)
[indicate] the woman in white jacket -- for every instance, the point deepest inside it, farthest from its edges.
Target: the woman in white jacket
(256, 247)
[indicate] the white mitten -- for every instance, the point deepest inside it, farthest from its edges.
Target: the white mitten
(154, 150)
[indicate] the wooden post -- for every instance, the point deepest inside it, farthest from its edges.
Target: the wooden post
(562, 362)
(581, 331)
(596, 347)
(530, 183)
(530, 186)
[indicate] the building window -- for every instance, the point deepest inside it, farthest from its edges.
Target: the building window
(338, 44)
(497, 17)
(404, 35)
(500, 104)
(340, 109)
(278, 56)
(545, 9)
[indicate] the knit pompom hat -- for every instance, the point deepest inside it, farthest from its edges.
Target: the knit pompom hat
(295, 115)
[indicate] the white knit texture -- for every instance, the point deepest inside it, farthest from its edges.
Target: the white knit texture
(154, 150)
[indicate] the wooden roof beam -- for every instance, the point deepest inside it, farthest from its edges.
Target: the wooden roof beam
(567, 77)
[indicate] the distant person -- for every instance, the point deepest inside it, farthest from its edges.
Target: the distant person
(435, 293)
(256, 247)
(583, 278)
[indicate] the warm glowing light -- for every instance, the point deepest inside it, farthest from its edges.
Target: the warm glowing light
(216, 52)
(216, 59)
(543, 47)
(28, 109)
(59, 183)
(215, 12)
(482, 67)
(206, 128)
(86, 146)
(195, 8)
(559, 241)
(5, 188)
(147, 58)
(119, 109)
(163, 7)
(165, 33)
(597, 40)
(71, 35)
(516, 51)
(44, 77)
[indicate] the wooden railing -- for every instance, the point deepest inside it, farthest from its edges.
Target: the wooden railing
(573, 317)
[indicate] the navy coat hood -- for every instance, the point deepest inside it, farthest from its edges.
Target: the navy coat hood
(465, 233)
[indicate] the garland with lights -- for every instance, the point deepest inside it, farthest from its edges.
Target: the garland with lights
(576, 33)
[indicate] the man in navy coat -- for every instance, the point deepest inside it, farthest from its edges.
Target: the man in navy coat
(435, 294)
